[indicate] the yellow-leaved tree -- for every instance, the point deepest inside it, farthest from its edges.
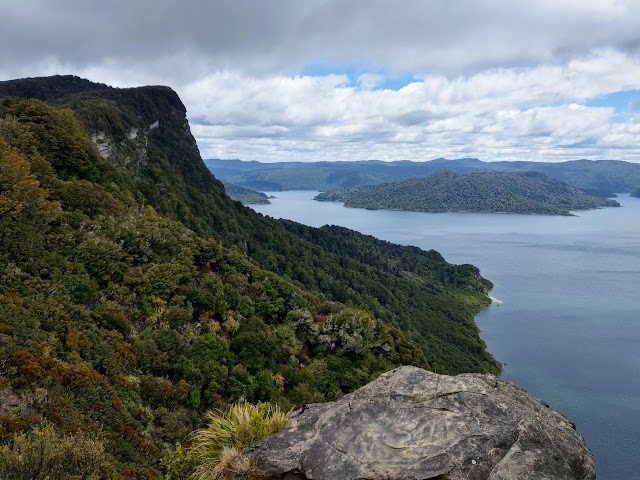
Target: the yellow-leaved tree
(21, 196)
(25, 208)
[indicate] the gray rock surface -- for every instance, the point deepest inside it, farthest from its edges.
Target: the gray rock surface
(414, 424)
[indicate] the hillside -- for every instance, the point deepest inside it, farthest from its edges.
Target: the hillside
(603, 177)
(135, 295)
(636, 193)
(321, 176)
(447, 191)
(245, 195)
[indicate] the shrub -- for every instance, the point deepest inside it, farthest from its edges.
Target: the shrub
(217, 447)
(44, 454)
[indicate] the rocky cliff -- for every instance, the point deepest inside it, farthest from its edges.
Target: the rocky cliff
(414, 424)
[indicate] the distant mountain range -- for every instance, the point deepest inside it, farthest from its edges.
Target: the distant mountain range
(603, 177)
(448, 191)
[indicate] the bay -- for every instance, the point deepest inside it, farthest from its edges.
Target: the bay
(566, 323)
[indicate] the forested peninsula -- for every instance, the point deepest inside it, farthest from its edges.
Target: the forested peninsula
(135, 295)
(448, 191)
(245, 195)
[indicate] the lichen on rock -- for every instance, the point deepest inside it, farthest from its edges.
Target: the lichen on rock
(415, 424)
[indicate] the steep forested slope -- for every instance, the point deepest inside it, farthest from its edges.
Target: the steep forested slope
(143, 133)
(447, 191)
(135, 295)
(121, 327)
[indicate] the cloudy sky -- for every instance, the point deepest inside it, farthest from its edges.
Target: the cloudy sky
(546, 80)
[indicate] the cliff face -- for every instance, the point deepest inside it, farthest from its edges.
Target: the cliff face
(414, 424)
(144, 134)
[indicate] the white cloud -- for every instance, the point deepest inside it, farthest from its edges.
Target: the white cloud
(535, 114)
(369, 81)
(494, 78)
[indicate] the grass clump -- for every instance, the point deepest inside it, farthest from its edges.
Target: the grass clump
(45, 454)
(217, 449)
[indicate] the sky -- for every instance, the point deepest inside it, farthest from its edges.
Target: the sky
(282, 80)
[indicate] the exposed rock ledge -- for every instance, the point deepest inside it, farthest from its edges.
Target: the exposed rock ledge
(414, 424)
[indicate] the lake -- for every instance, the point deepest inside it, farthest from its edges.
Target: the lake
(566, 323)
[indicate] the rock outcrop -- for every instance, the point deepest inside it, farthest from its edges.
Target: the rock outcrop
(414, 424)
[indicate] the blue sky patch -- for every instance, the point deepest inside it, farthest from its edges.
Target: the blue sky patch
(395, 83)
(623, 102)
(388, 82)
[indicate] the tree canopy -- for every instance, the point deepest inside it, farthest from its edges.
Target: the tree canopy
(447, 191)
(135, 295)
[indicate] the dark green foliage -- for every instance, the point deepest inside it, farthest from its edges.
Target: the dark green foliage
(432, 301)
(169, 175)
(57, 133)
(146, 296)
(53, 88)
(447, 191)
(122, 350)
(122, 320)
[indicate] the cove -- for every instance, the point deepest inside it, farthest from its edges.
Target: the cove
(566, 323)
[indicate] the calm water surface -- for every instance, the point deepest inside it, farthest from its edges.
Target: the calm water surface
(567, 326)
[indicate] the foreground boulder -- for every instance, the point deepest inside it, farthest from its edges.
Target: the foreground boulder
(415, 424)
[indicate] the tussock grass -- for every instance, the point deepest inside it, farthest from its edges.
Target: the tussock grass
(217, 448)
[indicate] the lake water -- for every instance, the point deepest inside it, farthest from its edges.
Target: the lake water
(568, 325)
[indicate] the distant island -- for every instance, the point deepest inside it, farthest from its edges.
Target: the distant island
(245, 195)
(448, 191)
(636, 193)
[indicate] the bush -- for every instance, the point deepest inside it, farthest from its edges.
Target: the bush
(218, 446)
(44, 454)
